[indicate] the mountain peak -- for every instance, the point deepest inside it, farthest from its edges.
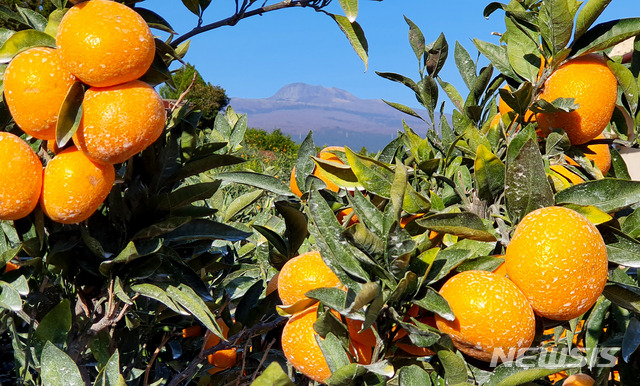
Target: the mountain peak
(306, 93)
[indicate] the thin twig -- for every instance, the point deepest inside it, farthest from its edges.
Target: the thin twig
(264, 358)
(164, 341)
(184, 94)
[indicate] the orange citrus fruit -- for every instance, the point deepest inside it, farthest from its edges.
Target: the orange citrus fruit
(20, 178)
(105, 43)
(293, 184)
(10, 267)
(302, 274)
(579, 380)
(599, 153)
(222, 360)
(328, 154)
(502, 268)
(492, 316)
(35, 85)
(272, 285)
(558, 259)
(363, 353)
(301, 348)
(119, 121)
(191, 331)
(74, 186)
(410, 348)
(366, 337)
(341, 215)
(591, 83)
(567, 174)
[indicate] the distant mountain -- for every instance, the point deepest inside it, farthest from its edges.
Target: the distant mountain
(335, 116)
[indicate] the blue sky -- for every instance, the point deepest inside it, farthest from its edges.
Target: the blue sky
(260, 54)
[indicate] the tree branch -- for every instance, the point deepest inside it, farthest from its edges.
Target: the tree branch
(243, 14)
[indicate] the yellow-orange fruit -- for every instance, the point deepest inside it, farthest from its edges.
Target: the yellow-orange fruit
(362, 352)
(105, 43)
(493, 317)
(191, 331)
(579, 380)
(558, 259)
(341, 215)
(328, 154)
(591, 83)
(214, 339)
(504, 108)
(272, 285)
(366, 337)
(20, 177)
(301, 348)
(502, 268)
(10, 267)
(35, 85)
(222, 359)
(293, 184)
(566, 173)
(599, 154)
(302, 274)
(119, 121)
(74, 186)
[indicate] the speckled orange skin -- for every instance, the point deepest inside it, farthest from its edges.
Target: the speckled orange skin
(20, 177)
(35, 85)
(591, 83)
(119, 121)
(301, 348)
(558, 259)
(579, 380)
(599, 154)
(492, 315)
(105, 43)
(302, 274)
(74, 186)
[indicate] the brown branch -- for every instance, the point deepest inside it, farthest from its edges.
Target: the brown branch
(241, 14)
(244, 334)
(164, 341)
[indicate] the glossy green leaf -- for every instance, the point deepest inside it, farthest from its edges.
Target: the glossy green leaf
(622, 249)
(333, 351)
(23, 40)
(605, 35)
(609, 195)
(622, 295)
(58, 368)
(373, 175)
(237, 134)
(526, 185)
(355, 35)
(192, 302)
(339, 174)
(628, 84)
(566, 105)
(413, 376)
(631, 224)
(346, 375)
(54, 327)
(260, 181)
(481, 263)
(403, 108)
(427, 94)
(593, 327)
(465, 224)
(588, 15)
(110, 373)
(399, 78)
(455, 368)
(350, 8)
(274, 239)
(446, 260)
(434, 302)
(556, 23)
(522, 49)
(33, 18)
(273, 375)
(466, 65)
(370, 215)
(131, 252)
(9, 297)
(453, 94)
(489, 174)
(240, 203)
(200, 229)
(593, 214)
(497, 55)
(162, 227)
(154, 20)
(157, 293)
(189, 194)
(54, 21)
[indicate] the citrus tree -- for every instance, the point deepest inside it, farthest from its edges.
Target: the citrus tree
(500, 248)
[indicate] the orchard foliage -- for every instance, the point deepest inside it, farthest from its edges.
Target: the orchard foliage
(178, 243)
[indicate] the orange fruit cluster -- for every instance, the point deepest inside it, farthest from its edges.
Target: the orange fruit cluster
(327, 154)
(107, 46)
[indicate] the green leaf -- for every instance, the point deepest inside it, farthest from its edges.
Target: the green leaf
(427, 93)
(588, 15)
(157, 293)
(9, 297)
(455, 368)
(57, 368)
(609, 194)
(333, 351)
(605, 35)
(520, 49)
(498, 57)
(192, 302)
(202, 165)
(526, 185)
(355, 35)
(339, 174)
(110, 374)
(193, 6)
(416, 38)
(154, 20)
(465, 224)
(237, 134)
(593, 214)
(33, 18)
(54, 21)
(399, 78)
(70, 114)
(296, 230)
(631, 340)
(375, 176)
(489, 174)
(445, 261)
(131, 252)
(240, 203)
(162, 227)
(453, 94)
(530, 368)
(631, 224)
(622, 249)
(622, 295)
(350, 8)
(273, 238)
(434, 302)
(273, 375)
(260, 181)
(23, 40)
(627, 83)
(566, 105)
(481, 263)
(54, 327)
(438, 52)
(466, 65)
(346, 375)
(413, 376)
(304, 163)
(201, 229)
(189, 194)
(593, 328)
(555, 21)
(403, 108)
